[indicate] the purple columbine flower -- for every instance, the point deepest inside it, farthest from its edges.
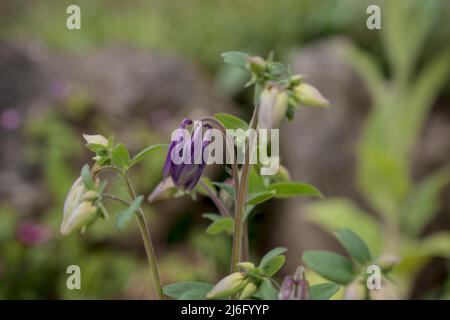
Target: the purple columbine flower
(184, 162)
(296, 287)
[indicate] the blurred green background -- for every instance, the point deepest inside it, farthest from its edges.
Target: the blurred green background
(405, 68)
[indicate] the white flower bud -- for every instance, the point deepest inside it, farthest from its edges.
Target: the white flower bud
(78, 207)
(273, 107)
(228, 286)
(79, 217)
(96, 139)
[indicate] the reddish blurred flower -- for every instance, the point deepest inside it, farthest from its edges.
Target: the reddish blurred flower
(10, 119)
(32, 234)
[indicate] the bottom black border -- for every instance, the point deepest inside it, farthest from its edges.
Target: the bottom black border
(62, 309)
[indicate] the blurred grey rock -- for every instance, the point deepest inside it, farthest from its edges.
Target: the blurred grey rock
(123, 88)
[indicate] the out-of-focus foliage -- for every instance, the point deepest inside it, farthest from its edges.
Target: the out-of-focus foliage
(201, 30)
(401, 103)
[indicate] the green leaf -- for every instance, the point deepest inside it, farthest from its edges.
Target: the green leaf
(271, 254)
(354, 245)
(146, 152)
(294, 189)
(260, 197)
(212, 216)
(227, 188)
(338, 213)
(188, 290)
(222, 224)
(87, 179)
(235, 58)
(255, 182)
(273, 265)
(231, 122)
(120, 156)
(424, 202)
(323, 291)
(124, 217)
(266, 291)
(329, 265)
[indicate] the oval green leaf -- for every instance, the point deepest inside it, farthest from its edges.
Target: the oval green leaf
(273, 265)
(222, 224)
(231, 122)
(323, 291)
(271, 254)
(260, 197)
(294, 189)
(354, 245)
(194, 290)
(146, 152)
(329, 265)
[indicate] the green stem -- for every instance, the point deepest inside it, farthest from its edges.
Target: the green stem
(149, 249)
(241, 198)
(245, 254)
(116, 198)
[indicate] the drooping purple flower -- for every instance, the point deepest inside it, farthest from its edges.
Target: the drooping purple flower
(185, 162)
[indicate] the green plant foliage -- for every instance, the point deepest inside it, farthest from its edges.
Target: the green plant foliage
(120, 156)
(293, 189)
(188, 290)
(124, 217)
(231, 122)
(330, 265)
(323, 291)
(354, 245)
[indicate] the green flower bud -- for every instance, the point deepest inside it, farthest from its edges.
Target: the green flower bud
(295, 80)
(246, 265)
(273, 107)
(78, 207)
(310, 96)
(256, 64)
(228, 286)
(248, 291)
(355, 290)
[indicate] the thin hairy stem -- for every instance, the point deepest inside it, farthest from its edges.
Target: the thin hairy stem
(219, 204)
(241, 198)
(116, 198)
(149, 249)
